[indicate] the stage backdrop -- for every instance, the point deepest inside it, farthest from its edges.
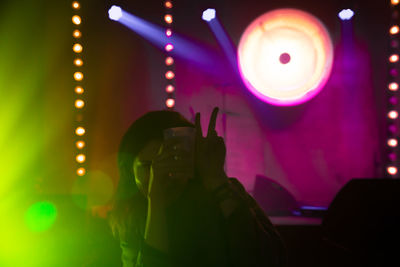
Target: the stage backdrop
(312, 149)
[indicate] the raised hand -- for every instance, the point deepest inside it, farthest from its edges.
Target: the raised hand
(210, 152)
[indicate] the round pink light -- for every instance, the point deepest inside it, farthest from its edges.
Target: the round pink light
(169, 75)
(393, 114)
(170, 102)
(170, 89)
(168, 32)
(169, 47)
(285, 57)
(391, 170)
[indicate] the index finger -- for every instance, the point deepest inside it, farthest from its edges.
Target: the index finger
(213, 121)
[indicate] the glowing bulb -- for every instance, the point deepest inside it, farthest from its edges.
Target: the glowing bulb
(76, 20)
(170, 89)
(394, 29)
(168, 4)
(80, 144)
(209, 14)
(81, 171)
(169, 61)
(170, 102)
(346, 14)
(391, 170)
(392, 142)
(394, 2)
(76, 5)
(80, 131)
(394, 58)
(78, 62)
(76, 34)
(79, 90)
(80, 158)
(79, 103)
(169, 47)
(77, 48)
(168, 18)
(393, 114)
(78, 76)
(169, 75)
(393, 86)
(168, 32)
(115, 13)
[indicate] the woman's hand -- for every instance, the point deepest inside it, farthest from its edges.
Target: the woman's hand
(210, 154)
(170, 171)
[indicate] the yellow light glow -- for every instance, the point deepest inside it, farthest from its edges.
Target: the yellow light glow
(76, 20)
(170, 102)
(76, 33)
(80, 158)
(393, 86)
(78, 62)
(80, 144)
(80, 131)
(78, 76)
(285, 56)
(394, 29)
(394, 2)
(79, 90)
(77, 48)
(168, 18)
(168, 4)
(391, 170)
(76, 5)
(81, 171)
(79, 103)
(394, 58)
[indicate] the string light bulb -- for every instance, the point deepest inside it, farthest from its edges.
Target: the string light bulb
(77, 48)
(392, 170)
(393, 86)
(170, 89)
(170, 103)
(78, 76)
(80, 144)
(78, 62)
(79, 103)
(80, 158)
(168, 18)
(76, 20)
(77, 33)
(394, 29)
(76, 5)
(81, 171)
(80, 131)
(79, 90)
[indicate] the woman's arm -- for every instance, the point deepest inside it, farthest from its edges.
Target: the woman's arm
(252, 239)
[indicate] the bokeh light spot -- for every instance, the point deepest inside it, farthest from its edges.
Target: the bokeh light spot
(40, 216)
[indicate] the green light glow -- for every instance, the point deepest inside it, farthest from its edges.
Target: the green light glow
(40, 216)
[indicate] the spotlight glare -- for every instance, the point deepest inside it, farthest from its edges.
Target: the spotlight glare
(168, 18)
(394, 29)
(170, 88)
(80, 144)
(81, 171)
(346, 14)
(209, 14)
(115, 13)
(79, 103)
(170, 102)
(79, 90)
(169, 75)
(76, 34)
(76, 5)
(393, 86)
(169, 61)
(76, 20)
(169, 47)
(80, 131)
(391, 170)
(393, 114)
(77, 48)
(78, 76)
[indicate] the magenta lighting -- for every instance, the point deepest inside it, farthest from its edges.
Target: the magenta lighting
(346, 14)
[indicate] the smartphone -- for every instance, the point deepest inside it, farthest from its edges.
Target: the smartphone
(186, 139)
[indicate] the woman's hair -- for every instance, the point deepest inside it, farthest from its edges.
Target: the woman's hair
(128, 201)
